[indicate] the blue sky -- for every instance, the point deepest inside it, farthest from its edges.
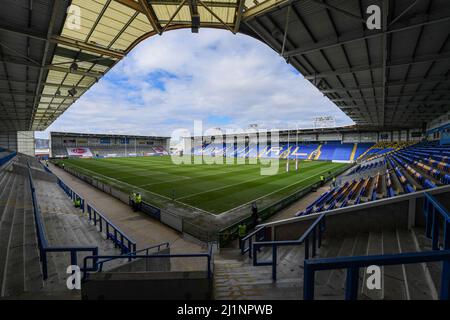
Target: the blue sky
(224, 80)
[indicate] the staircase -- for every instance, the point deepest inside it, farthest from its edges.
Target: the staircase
(316, 154)
(66, 225)
(19, 260)
(20, 267)
(236, 278)
(352, 155)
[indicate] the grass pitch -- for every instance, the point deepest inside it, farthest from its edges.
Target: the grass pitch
(215, 188)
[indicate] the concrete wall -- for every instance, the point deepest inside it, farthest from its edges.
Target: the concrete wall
(192, 285)
(146, 265)
(8, 140)
(387, 214)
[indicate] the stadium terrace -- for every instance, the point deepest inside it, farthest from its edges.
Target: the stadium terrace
(358, 212)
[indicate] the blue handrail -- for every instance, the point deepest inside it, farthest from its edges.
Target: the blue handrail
(117, 236)
(258, 234)
(146, 250)
(353, 264)
(8, 157)
(43, 245)
(311, 238)
(96, 258)
(431, 209)
(71, 194)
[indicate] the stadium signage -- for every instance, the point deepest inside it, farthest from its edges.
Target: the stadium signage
(224, 149)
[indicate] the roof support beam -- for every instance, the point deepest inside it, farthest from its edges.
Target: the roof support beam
(135, 6)
(404, 12)
(132, 5)
(195, 16)
(15, 61)
(390, 64)
(338, 10)
(31, 94)
(238, 17)
(63, 40)
(55, 10)
(151, 15)
(412, 103)
(407, 95)
(215, 15)
(87, 46)
(173, 16)
(389, 84)
(354, 37)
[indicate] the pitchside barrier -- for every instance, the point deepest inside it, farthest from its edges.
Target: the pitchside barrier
(172, 220)
(225, 235)
(228, 234)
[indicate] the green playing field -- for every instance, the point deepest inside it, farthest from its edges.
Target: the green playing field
(215, 188)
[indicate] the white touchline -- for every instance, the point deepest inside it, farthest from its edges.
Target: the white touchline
(245, 181)
(204, 211)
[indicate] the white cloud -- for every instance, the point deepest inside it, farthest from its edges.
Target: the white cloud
(223, 79)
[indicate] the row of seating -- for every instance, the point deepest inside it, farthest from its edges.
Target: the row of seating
(368, 166)
(118, 151)
(330, 150)
(399, 172)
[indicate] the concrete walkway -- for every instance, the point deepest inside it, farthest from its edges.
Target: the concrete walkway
(141, 228)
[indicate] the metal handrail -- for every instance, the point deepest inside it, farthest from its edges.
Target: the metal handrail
(71, 194)
(95, 259)
(432, 226)
(158, 246)
(313, 234)
(353, 264)
(249, 237)
(120, 239)
(43, 245)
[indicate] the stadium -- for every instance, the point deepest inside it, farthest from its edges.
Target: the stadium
(359, 211)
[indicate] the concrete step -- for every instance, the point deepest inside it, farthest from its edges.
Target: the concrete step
(33, 273)
(237, 278)
(14, 280)
(9, 200)
(418, 285)
(374, 247)
(434, 268)
(393, 281)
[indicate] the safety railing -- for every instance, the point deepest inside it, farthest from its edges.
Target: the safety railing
(157, 248)
(111, 231)
(96, 258)
(437, 219)
(311, 239)
(43, 244)
(72, 194)
(354, 264)
(246, 243)
(7, 158)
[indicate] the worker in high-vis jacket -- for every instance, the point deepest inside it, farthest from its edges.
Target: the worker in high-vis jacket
(133, 200)
(242, 231)
(322, 180)
(138, 201)
(77, 202)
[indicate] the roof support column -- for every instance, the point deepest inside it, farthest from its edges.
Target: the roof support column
(55, 10)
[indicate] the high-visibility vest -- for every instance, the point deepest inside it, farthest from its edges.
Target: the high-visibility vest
(138, 198)
(322, 178)
(242, 230)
